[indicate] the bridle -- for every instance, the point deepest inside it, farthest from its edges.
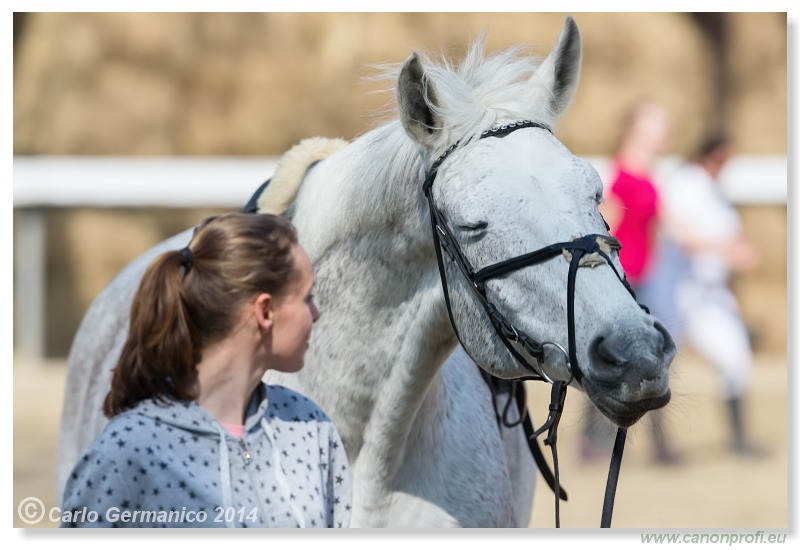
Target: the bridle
(590, 249)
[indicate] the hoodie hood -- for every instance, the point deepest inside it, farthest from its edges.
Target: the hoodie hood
(189, 416)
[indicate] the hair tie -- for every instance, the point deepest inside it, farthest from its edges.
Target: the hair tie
(186, 261)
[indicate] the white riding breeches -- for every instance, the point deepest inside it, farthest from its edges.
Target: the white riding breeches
(714, 328)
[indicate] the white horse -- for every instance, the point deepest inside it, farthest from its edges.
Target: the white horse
(414, 413)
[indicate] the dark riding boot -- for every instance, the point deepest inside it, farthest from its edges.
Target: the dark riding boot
(741, 445)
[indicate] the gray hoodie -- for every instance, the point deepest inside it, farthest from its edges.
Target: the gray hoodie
(173, 465)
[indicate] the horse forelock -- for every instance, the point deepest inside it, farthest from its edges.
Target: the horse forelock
(482, 90)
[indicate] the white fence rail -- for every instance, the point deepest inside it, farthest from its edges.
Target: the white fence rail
(226, 182)
(114, 181)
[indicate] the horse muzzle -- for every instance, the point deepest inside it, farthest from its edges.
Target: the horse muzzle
(629, 372)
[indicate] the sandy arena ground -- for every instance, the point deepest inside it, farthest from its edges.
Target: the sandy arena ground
(710, 488)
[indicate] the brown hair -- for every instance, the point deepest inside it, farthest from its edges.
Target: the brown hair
(712, 144)
(189, 299)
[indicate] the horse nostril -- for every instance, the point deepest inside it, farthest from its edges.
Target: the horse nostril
(667, 340)
(608, 353)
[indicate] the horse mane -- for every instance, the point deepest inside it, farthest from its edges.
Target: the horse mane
(482, 90)
(477, 93)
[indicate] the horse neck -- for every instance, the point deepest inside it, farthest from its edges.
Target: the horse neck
(384, 332)
(370, 185)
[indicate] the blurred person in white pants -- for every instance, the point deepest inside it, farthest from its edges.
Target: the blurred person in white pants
(707, 246)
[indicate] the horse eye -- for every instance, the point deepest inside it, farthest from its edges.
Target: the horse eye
(473, 226)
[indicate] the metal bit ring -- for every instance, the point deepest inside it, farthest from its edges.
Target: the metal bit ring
(566, 357)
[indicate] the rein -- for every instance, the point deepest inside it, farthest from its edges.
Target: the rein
(584, 251)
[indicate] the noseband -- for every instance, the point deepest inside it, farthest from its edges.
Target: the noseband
(592, 249)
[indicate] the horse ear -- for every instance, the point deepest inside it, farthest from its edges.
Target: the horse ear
(415, 95)
(561, 69)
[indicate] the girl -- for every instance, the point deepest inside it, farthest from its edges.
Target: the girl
(195, 437)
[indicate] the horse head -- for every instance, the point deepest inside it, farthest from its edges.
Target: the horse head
(517, 191)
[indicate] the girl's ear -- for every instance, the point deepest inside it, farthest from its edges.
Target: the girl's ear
(262, 309)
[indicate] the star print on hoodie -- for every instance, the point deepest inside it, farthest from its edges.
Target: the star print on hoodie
(173, 465)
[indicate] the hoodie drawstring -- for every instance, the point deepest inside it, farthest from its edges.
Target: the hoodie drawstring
(282, 481)
(225, 476)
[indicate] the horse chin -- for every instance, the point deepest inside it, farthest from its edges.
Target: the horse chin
(627, 413)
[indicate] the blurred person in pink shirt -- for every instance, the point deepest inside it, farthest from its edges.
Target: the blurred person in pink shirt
(631, 209)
